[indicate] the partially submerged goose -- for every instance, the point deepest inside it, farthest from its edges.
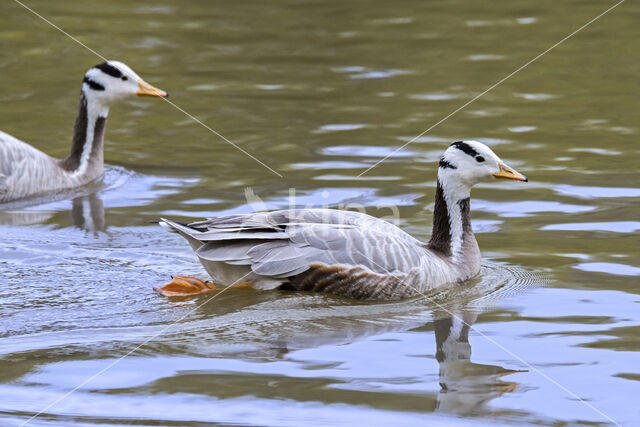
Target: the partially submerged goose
(349, 253)
(26, 171)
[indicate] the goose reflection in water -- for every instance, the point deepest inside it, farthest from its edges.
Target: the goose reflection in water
(299, 323)
(86, 213)
(466, 386)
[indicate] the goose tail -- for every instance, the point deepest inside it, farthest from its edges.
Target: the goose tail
(182, 229)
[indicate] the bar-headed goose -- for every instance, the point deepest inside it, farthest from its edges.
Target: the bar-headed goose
(348, 253)
(26, 171)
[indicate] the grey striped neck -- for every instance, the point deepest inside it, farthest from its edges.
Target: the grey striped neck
(451, 224)
(88, 139)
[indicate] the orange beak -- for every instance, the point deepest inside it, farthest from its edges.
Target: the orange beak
(508, 172)
(147, 90)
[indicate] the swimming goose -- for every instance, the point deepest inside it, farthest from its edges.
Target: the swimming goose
(26, 171)
(349, 253)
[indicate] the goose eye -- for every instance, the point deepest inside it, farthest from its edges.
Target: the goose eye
(125, 78)
(479, 159)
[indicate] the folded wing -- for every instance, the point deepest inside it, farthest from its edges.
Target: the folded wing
(285, 243)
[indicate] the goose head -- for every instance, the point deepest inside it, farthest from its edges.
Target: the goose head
(113, 81)
(467, 163)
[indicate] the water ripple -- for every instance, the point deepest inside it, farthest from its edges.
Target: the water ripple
(596, 192)
(526, 208)
(609, 268)
(618, 227)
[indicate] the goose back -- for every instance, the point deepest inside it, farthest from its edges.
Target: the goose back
(25, 170)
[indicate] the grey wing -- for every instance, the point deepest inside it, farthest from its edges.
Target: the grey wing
(285, 243)
(23, 168)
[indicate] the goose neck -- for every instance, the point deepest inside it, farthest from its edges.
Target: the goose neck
(86, 156)
(451, 221)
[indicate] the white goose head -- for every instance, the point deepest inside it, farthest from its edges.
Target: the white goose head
(467, 163)
(463, 165)
(102, 85)
(114, 81)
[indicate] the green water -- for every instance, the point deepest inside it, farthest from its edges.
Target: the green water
(319, 92)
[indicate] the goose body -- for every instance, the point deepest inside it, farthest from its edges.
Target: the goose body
(26, 171)
(350, 253)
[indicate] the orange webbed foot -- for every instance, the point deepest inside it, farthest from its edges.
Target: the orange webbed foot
(185, 286)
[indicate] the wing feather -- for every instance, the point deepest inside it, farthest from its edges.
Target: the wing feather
(285, 243)
(24, 170)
